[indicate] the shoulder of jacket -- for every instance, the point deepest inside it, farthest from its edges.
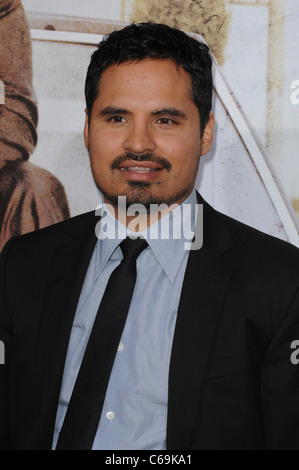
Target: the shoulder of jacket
(51, 236)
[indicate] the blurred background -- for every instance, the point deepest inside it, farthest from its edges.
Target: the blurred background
(252, 172)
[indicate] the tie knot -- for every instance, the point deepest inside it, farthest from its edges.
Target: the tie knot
(131, 248)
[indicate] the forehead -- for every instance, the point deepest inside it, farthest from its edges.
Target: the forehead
(148, 80)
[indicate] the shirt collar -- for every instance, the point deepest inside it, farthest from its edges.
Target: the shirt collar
(169, 237)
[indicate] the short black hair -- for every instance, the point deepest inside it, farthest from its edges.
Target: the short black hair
(139, 41)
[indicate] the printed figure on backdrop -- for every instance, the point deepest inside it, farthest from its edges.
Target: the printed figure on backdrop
(119, 333)
(30, 196)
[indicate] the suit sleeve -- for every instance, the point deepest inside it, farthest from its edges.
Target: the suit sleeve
(280, 383)
(5, 339)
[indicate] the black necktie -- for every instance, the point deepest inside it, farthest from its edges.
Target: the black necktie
(85, 406)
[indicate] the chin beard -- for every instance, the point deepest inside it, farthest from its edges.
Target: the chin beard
(139, 192)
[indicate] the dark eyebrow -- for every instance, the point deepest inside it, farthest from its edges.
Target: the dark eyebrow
(169, 112)
(111, 110)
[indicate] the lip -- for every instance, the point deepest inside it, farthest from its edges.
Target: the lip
(140, 171)
(144, 164)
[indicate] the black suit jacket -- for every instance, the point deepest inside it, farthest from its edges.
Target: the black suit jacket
(232, 384)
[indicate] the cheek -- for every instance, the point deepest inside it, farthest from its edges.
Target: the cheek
(170, 146)
(100, 141)
(182, 153)
(103, 148)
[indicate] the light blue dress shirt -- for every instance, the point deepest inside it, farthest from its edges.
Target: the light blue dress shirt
(134, 414)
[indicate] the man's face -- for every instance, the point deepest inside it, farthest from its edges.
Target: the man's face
(144, 133)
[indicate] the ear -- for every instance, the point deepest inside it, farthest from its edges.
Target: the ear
(86, 130)
(207, 136)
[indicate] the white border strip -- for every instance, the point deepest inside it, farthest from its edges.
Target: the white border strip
(65, 36)
(263, 168)
(238, 119)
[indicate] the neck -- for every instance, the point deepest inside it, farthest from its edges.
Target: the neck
(136, 216)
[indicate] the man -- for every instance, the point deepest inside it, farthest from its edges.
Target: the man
(204, 358)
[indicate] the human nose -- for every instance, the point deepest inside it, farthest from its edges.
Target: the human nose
(139, 139)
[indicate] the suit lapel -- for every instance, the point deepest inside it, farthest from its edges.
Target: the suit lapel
(205, 284)
(69, 266)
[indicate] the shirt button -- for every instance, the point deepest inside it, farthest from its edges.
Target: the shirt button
(110, 415)
(120, 347)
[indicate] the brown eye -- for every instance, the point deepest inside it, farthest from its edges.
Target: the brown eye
(117, 119)
(166, 121)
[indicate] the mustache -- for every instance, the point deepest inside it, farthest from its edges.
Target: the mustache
(149, 157)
